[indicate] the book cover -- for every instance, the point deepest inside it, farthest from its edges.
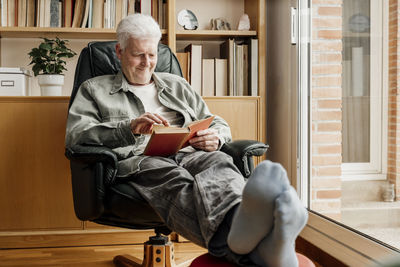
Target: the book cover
(85, 14)
(78, 13)
(183, 58)
(90, 16)
(238, 68)
(145, 7)
(68, 13)
(131, 7)
(98, 12)
(253, 67)
(195, 66)
(221, 77)
(166, 141)
(54, 13)
(118, 11)
(208, 86)
(4, 13)
(47, 14)
(227, 51)
(11, 13)
(30, 15)
(21, 13)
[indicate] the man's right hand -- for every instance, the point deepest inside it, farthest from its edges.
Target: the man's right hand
(144, 123)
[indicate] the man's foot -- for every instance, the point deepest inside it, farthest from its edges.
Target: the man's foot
(254, 218)
(277, 249)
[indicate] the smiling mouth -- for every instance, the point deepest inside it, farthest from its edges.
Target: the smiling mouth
(141, 69)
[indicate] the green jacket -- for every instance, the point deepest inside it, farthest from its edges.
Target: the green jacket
(104, 107)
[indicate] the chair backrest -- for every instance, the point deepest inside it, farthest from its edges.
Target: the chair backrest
(100, 58)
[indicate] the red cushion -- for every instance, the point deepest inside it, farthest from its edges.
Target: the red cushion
(304, 261)
(211, 261)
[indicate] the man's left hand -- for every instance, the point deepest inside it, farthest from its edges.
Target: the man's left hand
(206, 140)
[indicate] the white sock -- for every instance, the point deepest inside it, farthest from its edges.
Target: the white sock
(254, 218)
(278, 247)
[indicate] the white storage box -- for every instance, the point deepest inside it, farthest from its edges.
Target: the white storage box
(14, 81)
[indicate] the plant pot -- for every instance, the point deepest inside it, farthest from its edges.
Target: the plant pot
(51, 84)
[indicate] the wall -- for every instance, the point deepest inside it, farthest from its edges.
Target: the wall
(14, 53)
(394, 98)
(326, 107)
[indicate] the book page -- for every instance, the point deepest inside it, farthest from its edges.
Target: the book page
(197, 126)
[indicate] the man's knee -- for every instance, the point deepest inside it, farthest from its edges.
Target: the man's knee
(219, 156)
(156, 162)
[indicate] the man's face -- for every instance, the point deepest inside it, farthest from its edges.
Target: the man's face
(138, 60)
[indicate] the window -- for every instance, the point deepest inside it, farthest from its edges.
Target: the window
(348, 136)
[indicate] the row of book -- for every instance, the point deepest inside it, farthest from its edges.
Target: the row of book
(77, 13)
(235, 73)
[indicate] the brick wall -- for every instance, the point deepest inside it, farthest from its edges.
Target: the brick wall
(326, 148)
(394, 99)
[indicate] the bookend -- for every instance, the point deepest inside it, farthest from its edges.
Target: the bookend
(158, 252)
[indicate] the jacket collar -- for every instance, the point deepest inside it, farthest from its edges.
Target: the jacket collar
(120, 83)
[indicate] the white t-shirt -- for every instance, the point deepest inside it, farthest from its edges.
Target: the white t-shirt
(148, 94)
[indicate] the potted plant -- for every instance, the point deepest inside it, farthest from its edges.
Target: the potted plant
(48, 64)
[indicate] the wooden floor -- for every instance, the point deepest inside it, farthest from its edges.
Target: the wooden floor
(90, 256)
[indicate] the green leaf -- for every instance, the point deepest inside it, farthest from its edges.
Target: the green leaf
(47, 58)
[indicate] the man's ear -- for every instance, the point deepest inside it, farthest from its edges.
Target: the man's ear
(118, 51)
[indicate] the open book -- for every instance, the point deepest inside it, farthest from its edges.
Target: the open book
(166, 141)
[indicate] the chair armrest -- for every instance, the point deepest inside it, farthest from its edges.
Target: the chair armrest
(242, 152)
(94, 154)
(92, 167)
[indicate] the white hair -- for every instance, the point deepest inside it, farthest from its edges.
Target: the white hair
(137, 26)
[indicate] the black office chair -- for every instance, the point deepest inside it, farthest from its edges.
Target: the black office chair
(98, 197)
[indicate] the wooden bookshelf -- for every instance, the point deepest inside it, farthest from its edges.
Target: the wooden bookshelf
(212, 34)
(40, 218)
(72, 33)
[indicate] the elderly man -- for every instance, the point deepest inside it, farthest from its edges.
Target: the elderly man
(199, 193)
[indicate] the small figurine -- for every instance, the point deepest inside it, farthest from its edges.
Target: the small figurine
(220, 24)
(244, 23)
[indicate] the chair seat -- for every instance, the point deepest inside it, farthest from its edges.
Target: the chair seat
(207, 260)
(125, 207)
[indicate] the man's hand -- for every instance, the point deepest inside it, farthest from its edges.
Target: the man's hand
(144, 123)
(206, 140)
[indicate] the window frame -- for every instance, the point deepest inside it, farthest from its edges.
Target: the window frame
(340, 241)
(376, 168)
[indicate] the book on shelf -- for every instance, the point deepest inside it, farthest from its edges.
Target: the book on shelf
(145, 7)
(90, 15)
(98, 13)
(46, 13)
(195, 52)
(227, 51)
(241, 70)
(166, 141)
(21, 5)
(66, 13)
(118, 11)
(221, 77)
(79, 10)
(184, 62)
(162, 13)
(131, 7)
(4, 13)
(242, 61)
(238, 69)
(54, 13)
(30, 13)
(85, 16)
(253, 67)
(208, 85)
(11, 13)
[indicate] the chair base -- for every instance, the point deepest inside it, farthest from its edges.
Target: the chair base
(158, 252)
